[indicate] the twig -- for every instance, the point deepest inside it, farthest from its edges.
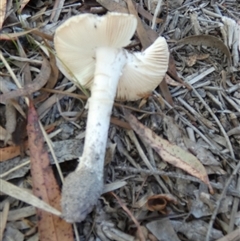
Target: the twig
(234, 209)
(10, 70)
(218, 203)
(141, 236)
(4, 216)
(14, 169)
(156, 13)
(190, 125)
(233, 236)
(145, 159)
(217, 121)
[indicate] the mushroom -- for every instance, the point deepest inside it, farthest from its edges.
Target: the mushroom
(90, 53)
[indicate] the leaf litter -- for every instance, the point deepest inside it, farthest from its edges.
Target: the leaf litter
(44, 184)
(135, 170)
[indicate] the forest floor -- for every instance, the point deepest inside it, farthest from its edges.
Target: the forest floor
(150, 192)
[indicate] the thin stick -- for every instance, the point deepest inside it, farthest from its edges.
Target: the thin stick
(145, 159)
(217, 121)
(4, 216)
(14, 169)
(219, 201)
(156, 13)
(141, 236)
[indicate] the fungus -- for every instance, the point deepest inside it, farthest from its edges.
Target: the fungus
(90, 53)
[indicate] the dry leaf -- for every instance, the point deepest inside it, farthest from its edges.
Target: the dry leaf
(141, 31)
(12, 36)
(37, 84)
(120, 123)
(113, 6)
(171, 81)
(165, 92)
(191, 60)
(41, 34)
(23, 3)
(10, 152)
(169, 152)
(209, 41)
(110, 151)
(45, 187)
(52, 80)
(197, 230)
(3, 5)
(162, 230)
(172, 72)
(159, 202)
(25, 196)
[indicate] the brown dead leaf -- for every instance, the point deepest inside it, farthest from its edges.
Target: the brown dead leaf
(37, 84)
(113, 6)
(209, 41)
(10, 152)
(23, 3)
(12, 36)
(172, 72)
(146, 14)
(170, 153)
(165, 92)
(120, 123)
(159, 202)
(52, 80)
(191, 60)
(3, 5)
(41, 34)
(50, 227)
(171, 81)
(141, 31)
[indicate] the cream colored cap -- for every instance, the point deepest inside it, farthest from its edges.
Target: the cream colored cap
(76, 40)
(144, 72)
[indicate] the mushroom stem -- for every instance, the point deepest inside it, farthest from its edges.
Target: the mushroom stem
(83, 187)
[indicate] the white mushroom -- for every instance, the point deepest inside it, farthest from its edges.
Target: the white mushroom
(90, 51)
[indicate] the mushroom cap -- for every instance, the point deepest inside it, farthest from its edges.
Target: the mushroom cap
(144, 72)
(77, 38)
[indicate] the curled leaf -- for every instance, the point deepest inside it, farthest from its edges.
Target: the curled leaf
(209, 41)
(159, 202)
(37, 84)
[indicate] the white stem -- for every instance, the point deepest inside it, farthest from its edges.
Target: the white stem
(83, 187)
(109, 64)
